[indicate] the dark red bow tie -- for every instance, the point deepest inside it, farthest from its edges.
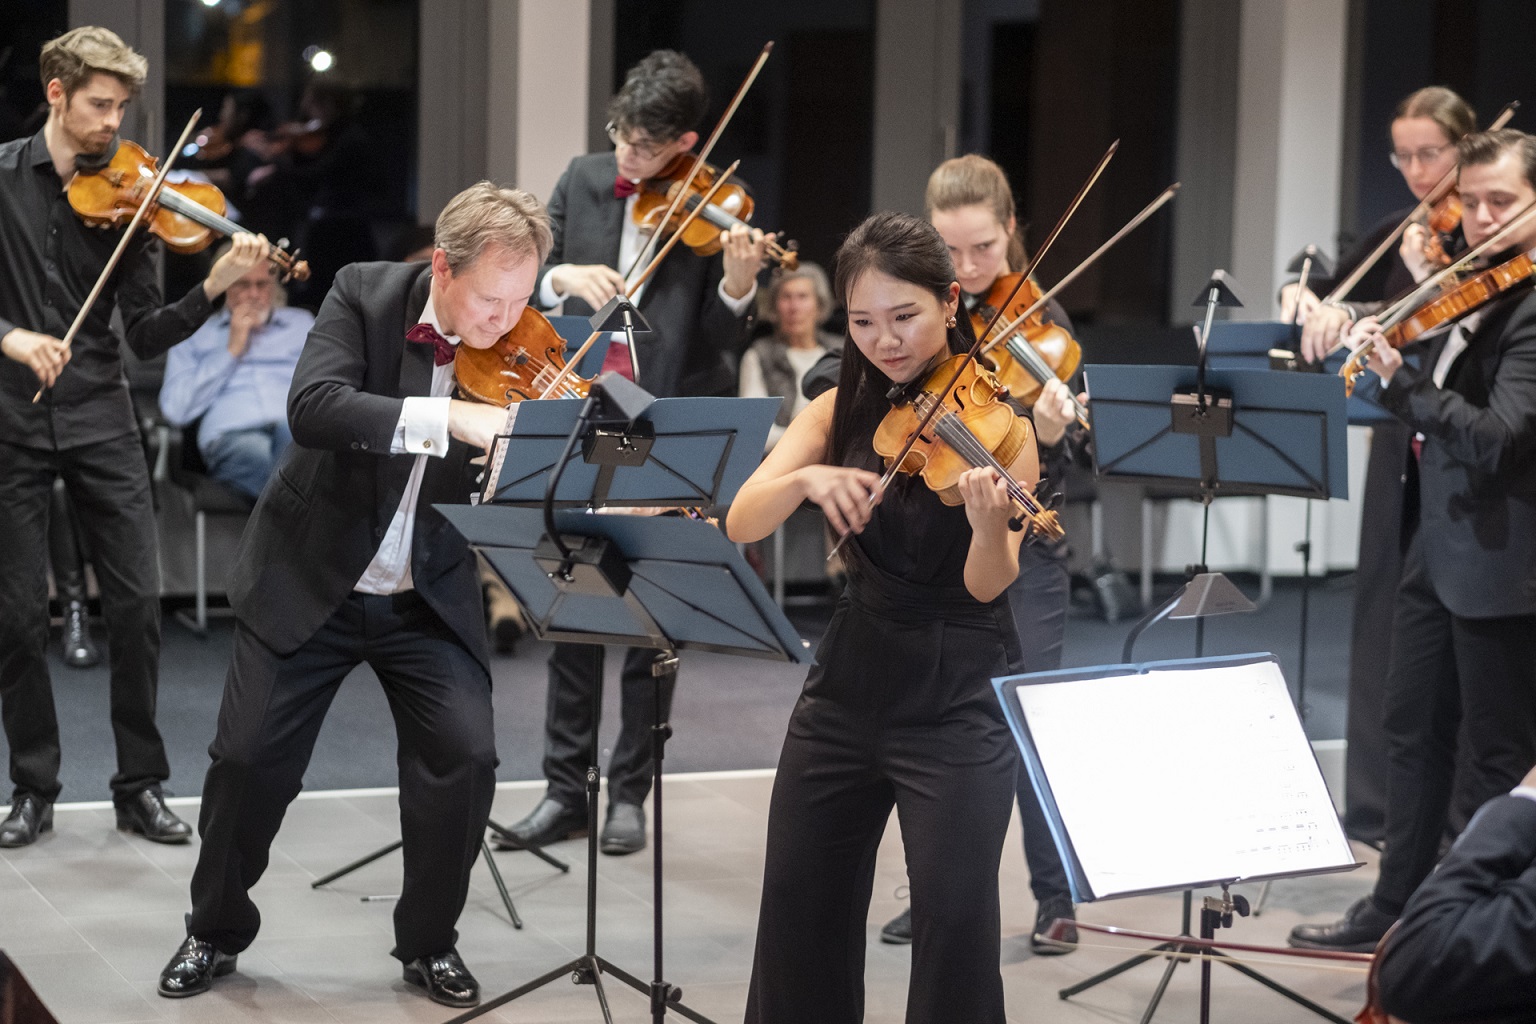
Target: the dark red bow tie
(426, 334)
(623, 188)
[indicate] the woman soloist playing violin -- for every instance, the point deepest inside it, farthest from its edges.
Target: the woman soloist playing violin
(898, 710)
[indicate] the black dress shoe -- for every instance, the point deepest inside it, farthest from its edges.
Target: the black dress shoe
(1358, 931)
(146, 814)
(624, 831)
(193, 968)
(30, 817)
(898, 930)
(1050, 909)
(79, 651)
(445, 978)
(549, 822)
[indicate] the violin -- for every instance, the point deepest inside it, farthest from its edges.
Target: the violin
(1467, 297)
(731, 205)
(522, 365)
(1443, 219)
(185, 215)
(1037, 352)
(974, 428)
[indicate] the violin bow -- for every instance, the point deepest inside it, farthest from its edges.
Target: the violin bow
(570, 363)
(1134, 223)
(122, 243)
(1045, 246)
(1212, 948)
(976, 347)
(1347, 285)
(704, 151)
(1400, 310)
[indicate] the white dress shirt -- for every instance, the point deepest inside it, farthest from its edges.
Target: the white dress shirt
(422, 429)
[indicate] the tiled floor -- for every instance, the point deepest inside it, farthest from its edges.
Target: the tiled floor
(91, 916)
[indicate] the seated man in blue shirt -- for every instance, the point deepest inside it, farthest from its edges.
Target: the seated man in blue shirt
(234, 373)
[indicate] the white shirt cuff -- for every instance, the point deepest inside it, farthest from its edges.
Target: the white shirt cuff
(548, 297)
(1529, 792)
(737, 306)
(423, 427)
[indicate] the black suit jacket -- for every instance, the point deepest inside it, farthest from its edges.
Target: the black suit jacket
(1477, 472)
(695, 339)
(330, 500)
(1466, 948)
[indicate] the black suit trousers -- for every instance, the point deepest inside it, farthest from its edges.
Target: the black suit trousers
(109, 485)
(440, 697)
(1448, 672)
(575, 681)
(1038, 600)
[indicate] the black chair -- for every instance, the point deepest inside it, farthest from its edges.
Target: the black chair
(209, 498)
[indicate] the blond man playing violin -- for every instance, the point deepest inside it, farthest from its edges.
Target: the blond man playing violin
(83, 430)
(1463, 654)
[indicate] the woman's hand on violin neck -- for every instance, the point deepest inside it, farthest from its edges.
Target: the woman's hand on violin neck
(847, 496)
(1053, 413)
(592, 283)
(43, 353)
(987, 504)
(477, 423)
(744, 250)
(1321, 331)
(1412, 249)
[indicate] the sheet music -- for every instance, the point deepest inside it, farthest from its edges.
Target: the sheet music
(1178, 776)
(498, 455)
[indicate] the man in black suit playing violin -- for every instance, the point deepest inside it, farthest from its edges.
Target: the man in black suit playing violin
(346, 560)
(82, 430)
(697, 308)
(1464, 632)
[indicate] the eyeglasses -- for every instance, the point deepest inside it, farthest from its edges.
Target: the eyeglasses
(644, 150)
(1427, 155)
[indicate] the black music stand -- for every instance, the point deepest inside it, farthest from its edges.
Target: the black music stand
(1228, 432)
(642, 581)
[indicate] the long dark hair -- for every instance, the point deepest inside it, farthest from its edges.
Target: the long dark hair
(909, 249)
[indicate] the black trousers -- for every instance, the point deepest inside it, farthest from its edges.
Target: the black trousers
(1038, 600)
(273, 706)
(897, 712)
(108, 483)
(575, 677)
(1447, 674)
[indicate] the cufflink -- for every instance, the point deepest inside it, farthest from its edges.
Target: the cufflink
(427, 443)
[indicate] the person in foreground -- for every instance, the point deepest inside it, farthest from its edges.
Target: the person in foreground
(898, 710)
(1465, 948)
(1463, 664)
(346, 561)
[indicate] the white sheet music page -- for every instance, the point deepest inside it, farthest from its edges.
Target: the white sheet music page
(1175, 777)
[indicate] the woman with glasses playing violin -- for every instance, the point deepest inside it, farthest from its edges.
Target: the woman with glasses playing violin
(898, 710)
(1424, 133)
(696, 307)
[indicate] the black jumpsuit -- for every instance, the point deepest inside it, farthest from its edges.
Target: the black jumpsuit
(898, 710)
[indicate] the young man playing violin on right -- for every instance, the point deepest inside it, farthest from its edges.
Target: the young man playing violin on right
(697, 308)
(1464, 632)
(82, 430)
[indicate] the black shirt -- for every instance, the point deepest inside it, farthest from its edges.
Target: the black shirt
(49, 261)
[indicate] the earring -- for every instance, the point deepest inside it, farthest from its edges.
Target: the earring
(951, 322)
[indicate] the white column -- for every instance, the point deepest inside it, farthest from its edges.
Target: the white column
(1290, 128)
(553, 47)
(917, 97)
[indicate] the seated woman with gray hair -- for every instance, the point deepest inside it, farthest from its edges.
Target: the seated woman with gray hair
(798, 304)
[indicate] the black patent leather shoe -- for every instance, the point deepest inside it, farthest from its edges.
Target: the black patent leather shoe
(549, 822)
(624, 831)
(193, 968)
(145, 814)
(898, 930)
(79, 651)
(1050, 910)
(445, 978)
(30, 817)
(1358, 931)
